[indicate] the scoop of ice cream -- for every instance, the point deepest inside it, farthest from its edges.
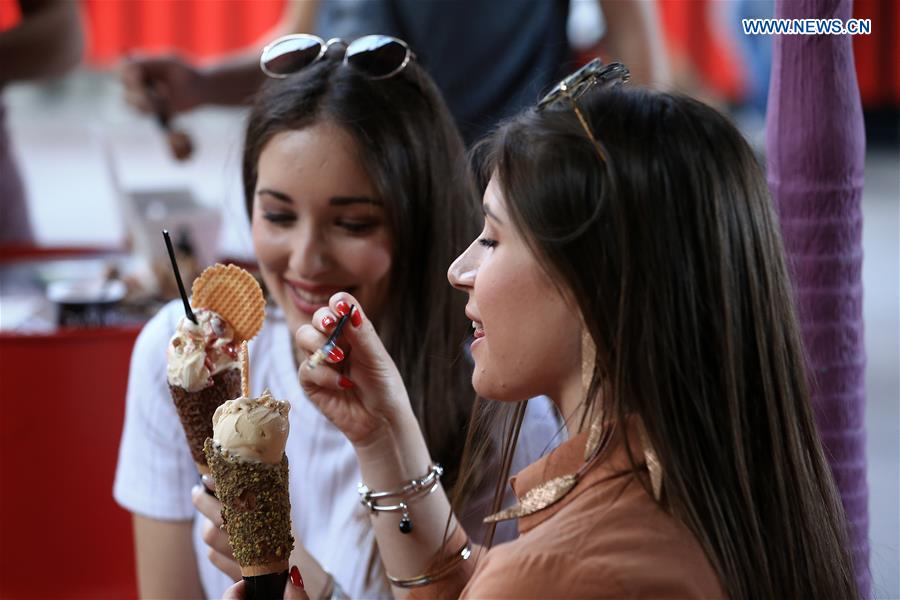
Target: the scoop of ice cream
(200, 350)
(253, 428)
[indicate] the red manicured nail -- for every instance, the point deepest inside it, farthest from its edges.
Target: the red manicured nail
(345, 383)
(355, 317)
(295, 577)
(342, 308)
(336, 354)
(328, 322)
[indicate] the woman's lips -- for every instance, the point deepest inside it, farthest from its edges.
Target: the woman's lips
(309, 299)
(478, 333)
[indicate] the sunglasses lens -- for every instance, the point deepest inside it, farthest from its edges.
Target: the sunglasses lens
(291, 54)
(377, 55)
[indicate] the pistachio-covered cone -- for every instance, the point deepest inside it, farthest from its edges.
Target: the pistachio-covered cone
(256, 509)
(196, 409)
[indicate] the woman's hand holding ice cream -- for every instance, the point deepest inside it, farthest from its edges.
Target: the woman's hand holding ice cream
(216, 539)
(291, 591)
(315, 579)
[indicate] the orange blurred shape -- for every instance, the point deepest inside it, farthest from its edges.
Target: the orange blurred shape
(196, 29)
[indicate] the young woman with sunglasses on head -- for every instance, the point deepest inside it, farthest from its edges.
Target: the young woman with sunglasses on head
(631, 269)
(355, 180)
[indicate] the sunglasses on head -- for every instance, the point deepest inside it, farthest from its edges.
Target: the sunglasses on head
(376, 56)
(594, 74)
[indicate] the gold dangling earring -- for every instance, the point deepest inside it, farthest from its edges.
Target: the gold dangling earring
(654, 468)
(588, 360)
(552, 491)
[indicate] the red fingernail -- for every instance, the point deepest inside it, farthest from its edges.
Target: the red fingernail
(345, 383)
(342, 308)
(336, 354)
(295, 577)
(328, 322)
(355, 317)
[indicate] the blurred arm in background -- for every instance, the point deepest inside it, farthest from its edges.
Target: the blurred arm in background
(165, 562)
(232, 80)
(48, 41)
(634, 36)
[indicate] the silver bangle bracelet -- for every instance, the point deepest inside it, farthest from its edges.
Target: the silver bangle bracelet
(442, 571)
(416, 488)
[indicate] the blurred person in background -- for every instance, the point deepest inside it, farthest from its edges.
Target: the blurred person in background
(351, 183)
(47, 42)
(489, 59)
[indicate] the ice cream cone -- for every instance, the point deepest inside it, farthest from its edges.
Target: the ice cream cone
(256, 509)
(246, 458)
(202, 366)
(196, 409)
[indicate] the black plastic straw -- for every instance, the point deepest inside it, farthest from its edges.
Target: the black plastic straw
(187, 305)
(340, 326)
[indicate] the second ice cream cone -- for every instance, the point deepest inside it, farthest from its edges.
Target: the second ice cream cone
(195, 410)
(256, 509)
(247, 460)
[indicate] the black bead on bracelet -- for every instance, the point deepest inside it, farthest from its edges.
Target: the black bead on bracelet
(416, 488)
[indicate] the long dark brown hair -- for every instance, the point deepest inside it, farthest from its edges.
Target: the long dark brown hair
(413, 153)
(672, 250)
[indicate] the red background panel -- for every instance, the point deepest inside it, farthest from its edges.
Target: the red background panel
(878, 55)
(203, 29)
(62, 405)
(196, 28)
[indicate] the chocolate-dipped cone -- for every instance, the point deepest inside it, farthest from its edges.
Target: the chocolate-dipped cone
(247, 460)
(196, 409)
(256, 510)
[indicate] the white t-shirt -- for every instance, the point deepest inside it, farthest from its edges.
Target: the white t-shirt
(155, 472)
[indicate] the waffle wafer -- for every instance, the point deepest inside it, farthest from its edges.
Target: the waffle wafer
(235, 295)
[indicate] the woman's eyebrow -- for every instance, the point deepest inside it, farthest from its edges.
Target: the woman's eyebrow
(486, 211)
(347, 200)
(275, 194)
(334, 201)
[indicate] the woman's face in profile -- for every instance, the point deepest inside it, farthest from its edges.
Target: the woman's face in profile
(318, 225)
(527, 337)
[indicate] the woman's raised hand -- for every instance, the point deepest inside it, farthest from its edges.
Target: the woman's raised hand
(361, 392)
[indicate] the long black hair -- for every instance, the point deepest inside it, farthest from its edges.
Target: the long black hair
(672, 250)
(413, 154)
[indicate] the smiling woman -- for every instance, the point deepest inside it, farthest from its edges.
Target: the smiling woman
(353, 185)
(318, 224)
(630, 268)
(506, 353)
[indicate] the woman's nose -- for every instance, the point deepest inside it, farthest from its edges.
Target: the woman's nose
(462, 272)
(309, 253)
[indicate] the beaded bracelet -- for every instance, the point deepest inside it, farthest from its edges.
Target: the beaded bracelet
(459, 556)
(413, 490)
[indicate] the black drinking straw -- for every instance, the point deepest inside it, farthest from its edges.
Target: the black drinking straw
(187, 305)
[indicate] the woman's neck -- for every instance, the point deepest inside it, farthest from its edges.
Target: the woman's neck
(569, 400)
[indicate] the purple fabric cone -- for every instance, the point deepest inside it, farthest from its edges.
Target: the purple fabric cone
(815, 149)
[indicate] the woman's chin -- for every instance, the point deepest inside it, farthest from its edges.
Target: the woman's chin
(295, 318)
(488, 387)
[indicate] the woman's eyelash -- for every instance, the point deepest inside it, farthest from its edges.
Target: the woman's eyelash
(356, 227)
(487, 242)
(279, 217)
